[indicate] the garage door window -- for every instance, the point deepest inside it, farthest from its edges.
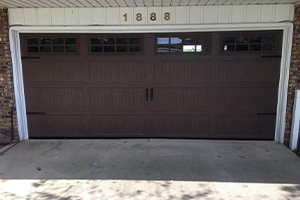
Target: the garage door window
(50, 45)
(115, 45)
(244, 43)
(184, 44)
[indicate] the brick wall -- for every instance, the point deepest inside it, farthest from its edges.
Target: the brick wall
(6, 79)
(294, 81)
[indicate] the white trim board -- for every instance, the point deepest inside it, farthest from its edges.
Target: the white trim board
(284, 69)
(18, 84)
(296, 122)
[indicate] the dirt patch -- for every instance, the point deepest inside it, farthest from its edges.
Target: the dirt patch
(297, 152)
(4, 140)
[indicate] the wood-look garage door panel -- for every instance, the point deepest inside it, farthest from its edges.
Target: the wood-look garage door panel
(245, 126)
(180, 125)
(56, 125)
(52, 72)
(198, 85)
(110, 125)
(55, 98)
(117, 98)
(182, 72)
(249, 71)
(181, 98)
(247, 99)
(117, 72)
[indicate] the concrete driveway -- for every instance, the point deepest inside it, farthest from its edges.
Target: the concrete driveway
(149, 169)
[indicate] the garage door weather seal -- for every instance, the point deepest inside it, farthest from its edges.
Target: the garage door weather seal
(18, 84)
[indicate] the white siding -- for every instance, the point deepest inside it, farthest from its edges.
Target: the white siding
(178, 15)
(224, 14)
(44, 16)
(98, 16)
(30, 16)
(71, 15)
(253, 13)
(85, 16)
(57, 16)
(210, 15)
(112, 16)
(238, 14)
(196, 13)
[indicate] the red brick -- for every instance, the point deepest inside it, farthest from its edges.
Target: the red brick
(294, 81)
(6, 83)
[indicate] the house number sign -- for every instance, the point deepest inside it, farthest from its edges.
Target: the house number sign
(152, 17)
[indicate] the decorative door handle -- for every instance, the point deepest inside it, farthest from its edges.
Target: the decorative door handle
(146, 94)
(271, 56)
(266, 113)
(151, 94)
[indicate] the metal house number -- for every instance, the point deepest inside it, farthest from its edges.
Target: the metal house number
(139, 16)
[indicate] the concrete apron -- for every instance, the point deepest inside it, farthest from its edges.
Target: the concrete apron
(154, 169)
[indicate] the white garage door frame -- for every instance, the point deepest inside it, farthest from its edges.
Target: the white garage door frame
(287, 28)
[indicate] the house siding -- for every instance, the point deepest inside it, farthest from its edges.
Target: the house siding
(6, 79)
(179, 15)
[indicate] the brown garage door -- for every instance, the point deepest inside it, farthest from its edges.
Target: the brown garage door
(191, 85)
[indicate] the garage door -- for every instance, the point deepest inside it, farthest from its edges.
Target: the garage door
(188, 85)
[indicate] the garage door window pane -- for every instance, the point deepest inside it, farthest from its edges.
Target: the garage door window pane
(32, 41)
(162, 40)
(189, 40)
(228, 47)
(70, 41)
(121, 48)
(32, 49)
(109, 49)
(176, 40)
(96, 40)
(58, 49)
(269, 47)
(45, 41)
(71, 49)
(162, 48)
(229, 40)
(269, 39)
(44, 49)
(135, 49)
(188, 48)
(57, 41)
(202, 40)
(201, 48)
(176, 45)
(96, 49)
(122, 41)
(256, 47)
(242, 48)
(175, 48)
(242, 39)
(134, 41)
(256, 39)
(108, 41)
